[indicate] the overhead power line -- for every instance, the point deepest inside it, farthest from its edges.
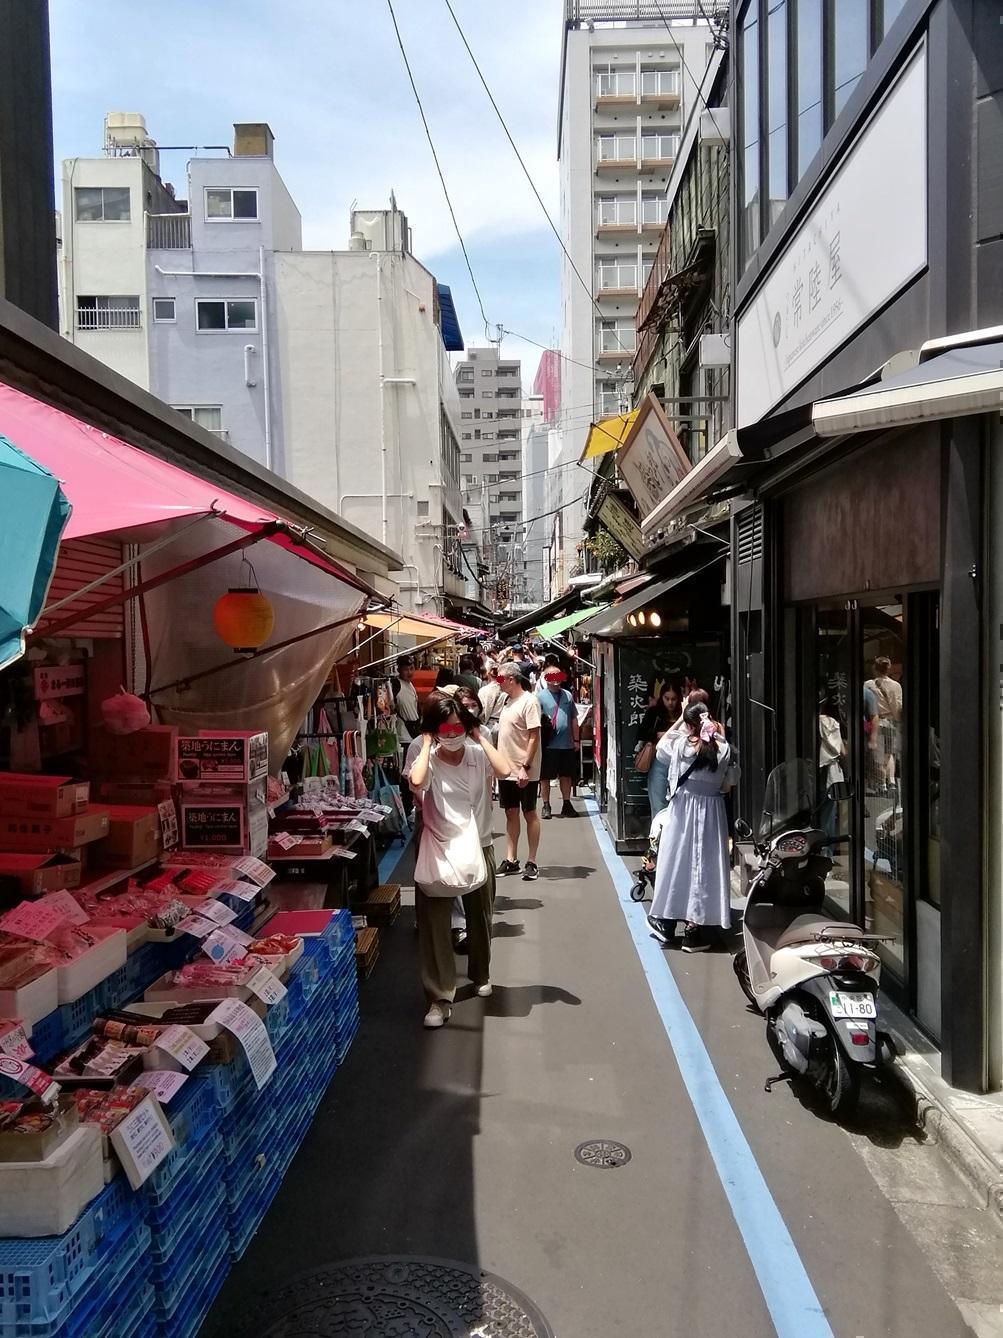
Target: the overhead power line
(526, 173)
(438, 168)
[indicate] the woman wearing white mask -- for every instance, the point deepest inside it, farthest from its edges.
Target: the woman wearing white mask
(452, 777)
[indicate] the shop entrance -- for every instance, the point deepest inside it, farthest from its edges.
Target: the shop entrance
(869, 715)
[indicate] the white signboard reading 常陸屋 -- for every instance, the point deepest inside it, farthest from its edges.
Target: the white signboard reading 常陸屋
(651, 460)
(864, 239)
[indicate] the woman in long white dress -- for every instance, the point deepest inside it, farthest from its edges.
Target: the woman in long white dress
(692, 876)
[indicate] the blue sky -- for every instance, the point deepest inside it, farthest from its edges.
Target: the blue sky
(327, 75)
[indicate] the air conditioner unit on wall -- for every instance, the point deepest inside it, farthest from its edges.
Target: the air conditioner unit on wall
(715, 127)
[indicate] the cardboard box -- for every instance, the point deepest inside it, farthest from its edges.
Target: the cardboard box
(145, 794)
(146, 755)
(238, 756)
(133, 837)
(28, 795)
(34, 875)
(39, 834)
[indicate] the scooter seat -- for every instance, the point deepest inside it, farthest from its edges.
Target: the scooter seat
(805, 928)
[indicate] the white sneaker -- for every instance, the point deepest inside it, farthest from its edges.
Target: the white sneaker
(484, 991)
(438, 1014)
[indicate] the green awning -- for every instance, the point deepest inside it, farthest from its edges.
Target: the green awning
(551, 629)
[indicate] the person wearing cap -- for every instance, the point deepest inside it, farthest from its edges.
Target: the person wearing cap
(561, 754)
(519, 741)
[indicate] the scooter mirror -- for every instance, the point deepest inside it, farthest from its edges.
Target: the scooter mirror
(742, 829)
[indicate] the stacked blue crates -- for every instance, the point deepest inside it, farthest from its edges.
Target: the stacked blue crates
(75, 1285)
(183, 1205)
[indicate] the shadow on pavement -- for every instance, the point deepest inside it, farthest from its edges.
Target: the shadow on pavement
(519, 1000)
(565, 871)
(503, 904)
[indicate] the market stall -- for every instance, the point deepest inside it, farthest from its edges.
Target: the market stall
(170, 1015)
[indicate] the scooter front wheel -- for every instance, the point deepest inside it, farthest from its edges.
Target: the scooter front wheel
(740, 965)
(637, 890)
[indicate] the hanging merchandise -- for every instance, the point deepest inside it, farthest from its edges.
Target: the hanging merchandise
(124, 713)
(388, 794)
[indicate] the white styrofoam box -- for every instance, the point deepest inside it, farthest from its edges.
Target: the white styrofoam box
(94, 965)
(33, 1001)
(163, 990)
(45, 1198)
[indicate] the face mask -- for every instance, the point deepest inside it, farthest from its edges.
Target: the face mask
(452, 742)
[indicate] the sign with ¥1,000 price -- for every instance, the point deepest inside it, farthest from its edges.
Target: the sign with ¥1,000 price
(244, 1023)
(212, 824)
(143, 1139)
(163, 1083)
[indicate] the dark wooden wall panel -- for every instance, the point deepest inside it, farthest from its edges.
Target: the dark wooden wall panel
(872, 523)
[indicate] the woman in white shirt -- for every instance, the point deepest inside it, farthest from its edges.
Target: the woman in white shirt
(452, 778)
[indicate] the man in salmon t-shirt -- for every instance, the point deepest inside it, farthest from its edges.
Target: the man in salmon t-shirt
(519, 740)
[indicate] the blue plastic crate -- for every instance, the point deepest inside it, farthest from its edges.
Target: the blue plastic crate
(187, 1319)
(345, 1039)
(115, 988)
(176, 1275)
(203, 1171)
(40, 1277)
(47, 1036)
(167, 1304)
(193, 1117)
(114, 1297)
(76, 1018)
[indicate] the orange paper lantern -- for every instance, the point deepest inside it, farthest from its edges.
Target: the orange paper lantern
(243, 619)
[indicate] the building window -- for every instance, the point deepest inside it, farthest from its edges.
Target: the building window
(477, 413)
(808, 29)
(616, 336)
(658, 147)
(477, 434)
(749, 198)
(489, 458)
(889, 13)
(654, 208)
(466, 459)
(616, 211)
(465, 413)
(616, 148)
(485, 371)
(108, 313)
(466, 436)
(776, 120)
(209, 416)
(101, 204)
(614, 83)
(659, 83)
(214, 315)
(612, 275)
(850, 47)
(226, 204)
(422, 508)
(163, 310)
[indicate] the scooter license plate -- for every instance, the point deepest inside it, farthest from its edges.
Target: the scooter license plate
(852, 1005)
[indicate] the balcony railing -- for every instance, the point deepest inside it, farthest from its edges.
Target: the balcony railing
(659, 84)
(169, 232)
(618, 84)
(616, 214)
(616, 148)
(659, 148)
(651, 11)
(617, 341)
(109, 318)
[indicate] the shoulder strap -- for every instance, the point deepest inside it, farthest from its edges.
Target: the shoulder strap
(685, 776)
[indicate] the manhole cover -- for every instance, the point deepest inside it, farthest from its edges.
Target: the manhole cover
(401, 1298)
(603, 1153)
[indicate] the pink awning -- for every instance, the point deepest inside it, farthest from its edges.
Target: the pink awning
(115, 487)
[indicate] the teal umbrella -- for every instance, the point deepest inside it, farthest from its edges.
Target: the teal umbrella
(33, 512)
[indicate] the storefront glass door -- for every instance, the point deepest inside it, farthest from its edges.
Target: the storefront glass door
(832, 746)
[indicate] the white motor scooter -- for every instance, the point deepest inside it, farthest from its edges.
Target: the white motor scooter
(814, 978)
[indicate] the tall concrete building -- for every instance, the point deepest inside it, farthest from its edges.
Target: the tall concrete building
(491, 437)
(629, 78)
(536, 525)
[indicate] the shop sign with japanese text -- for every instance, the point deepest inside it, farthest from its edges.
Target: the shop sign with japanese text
(651, 461)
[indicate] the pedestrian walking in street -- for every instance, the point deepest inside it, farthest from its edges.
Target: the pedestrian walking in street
(467, 675)
(561, 759)
(519, 741)
(452, 777)
(408, 716)
(692, 876)
(492, 698)
(657, 721)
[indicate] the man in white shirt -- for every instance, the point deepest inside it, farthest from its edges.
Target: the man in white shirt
(519, 740)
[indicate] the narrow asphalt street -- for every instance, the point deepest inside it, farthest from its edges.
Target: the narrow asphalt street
(738, 1212)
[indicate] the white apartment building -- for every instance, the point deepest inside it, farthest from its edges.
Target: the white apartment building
(491, 468)
(323, 366)
(629, 77)
(174, 293)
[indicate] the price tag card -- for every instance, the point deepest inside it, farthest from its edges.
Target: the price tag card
(67, 905)
(216, 912)
(182, 1044)
(33, 919)
(226, 945)
(356, 826)
(168, 824)
(267, 986)
(285, 840)
(342, 852)
(196, 925)
(163, 1083)
(142, 1140)
(255, 869)
(16, 1044)
(385, 809)
(245, 891)
(28, 1076)
(244, 1023)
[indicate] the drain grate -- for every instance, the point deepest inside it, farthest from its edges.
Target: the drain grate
(602, 1153)
(402, 1298)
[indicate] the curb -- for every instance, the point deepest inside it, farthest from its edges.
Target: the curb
(980, 1171)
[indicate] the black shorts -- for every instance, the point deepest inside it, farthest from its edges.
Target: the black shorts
(557, 762)
(511, 795)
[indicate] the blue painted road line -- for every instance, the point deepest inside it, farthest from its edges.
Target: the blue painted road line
(790, 1298)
